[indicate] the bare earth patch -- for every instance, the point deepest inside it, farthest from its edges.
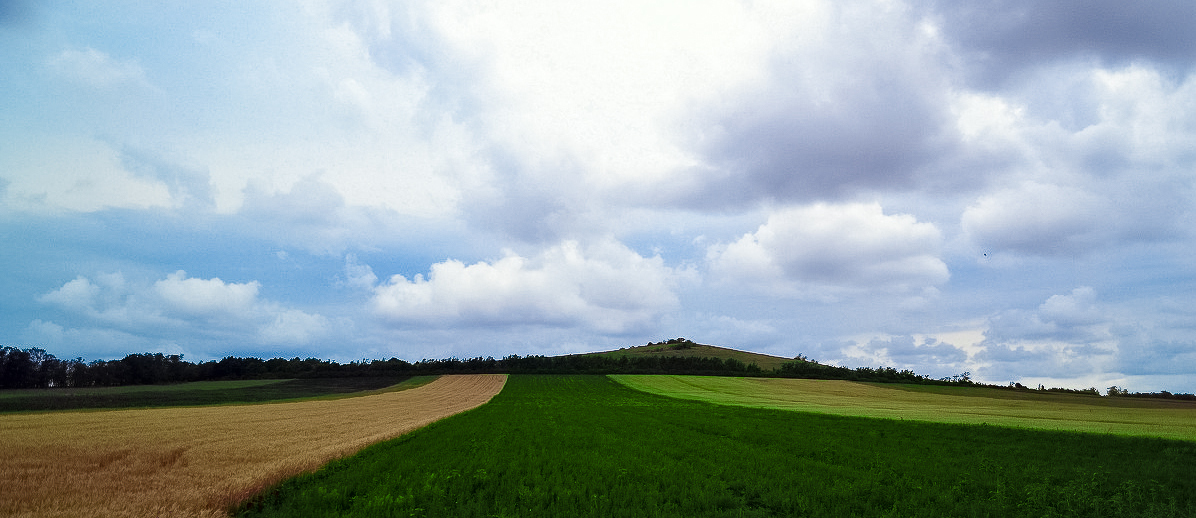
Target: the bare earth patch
(200, 461)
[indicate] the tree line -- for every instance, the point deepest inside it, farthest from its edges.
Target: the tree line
(36, 368)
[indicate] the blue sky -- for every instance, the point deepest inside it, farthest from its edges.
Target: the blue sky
(1003, 188)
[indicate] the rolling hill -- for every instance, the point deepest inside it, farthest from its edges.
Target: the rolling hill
(686, 348)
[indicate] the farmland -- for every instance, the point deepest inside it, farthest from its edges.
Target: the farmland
(588, 446)
(967, 405)
(193, 393)
(199, 461)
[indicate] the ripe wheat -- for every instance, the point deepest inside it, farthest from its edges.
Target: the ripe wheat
(200, 461)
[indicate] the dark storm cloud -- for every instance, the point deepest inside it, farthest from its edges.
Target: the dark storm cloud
(999, 38)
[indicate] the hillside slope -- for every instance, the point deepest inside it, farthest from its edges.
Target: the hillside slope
(685, 348)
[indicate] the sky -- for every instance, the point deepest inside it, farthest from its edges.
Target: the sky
(1000, 188)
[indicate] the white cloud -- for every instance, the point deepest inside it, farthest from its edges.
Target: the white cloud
(1037, 218)
(97, 68)
(97, 341)
(181, 304)
(853, 247)
(1067, 336)
(909, 352)
(1100, 157)
(359, 275)
(852, 98)
(292, 326)
(604, 287)
(596, 84)
(202, 297)
(52, 173)
(1072, 318)
(78, 294)
(1075, 309)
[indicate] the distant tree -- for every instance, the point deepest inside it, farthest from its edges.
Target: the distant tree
(16, 368)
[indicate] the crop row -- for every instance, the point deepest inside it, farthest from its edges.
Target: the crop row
(587, 446)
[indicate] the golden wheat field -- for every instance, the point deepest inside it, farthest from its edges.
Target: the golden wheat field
(200, 461)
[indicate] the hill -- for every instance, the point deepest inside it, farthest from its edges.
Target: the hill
(685, 348)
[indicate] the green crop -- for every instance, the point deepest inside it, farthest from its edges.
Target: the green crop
(557, 446)
(1170, 419)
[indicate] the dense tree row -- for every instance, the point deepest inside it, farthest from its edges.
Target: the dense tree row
(808, 369)
(590, 364)
(35, 368)
(1124, 392)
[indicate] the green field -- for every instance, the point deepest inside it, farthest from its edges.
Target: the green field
(193, 394)
(587, 446)
(968, 405)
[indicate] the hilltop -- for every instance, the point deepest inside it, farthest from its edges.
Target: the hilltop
(682, 347)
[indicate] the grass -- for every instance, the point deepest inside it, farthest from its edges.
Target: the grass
(696, 350)
(200, 393)
(966, 405)
(200, 461)
(587, 446)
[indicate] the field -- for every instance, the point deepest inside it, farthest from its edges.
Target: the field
(189, 394)
(587, 446)
(695, 350)
(199, 461)
(969, 405)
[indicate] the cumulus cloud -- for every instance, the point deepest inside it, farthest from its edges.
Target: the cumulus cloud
(1098, 162)
(107, 298)
(853, 100)
(909, 352)
(179, 303)
(98, 340)
(1068, 334)
(1037, 219)
(205, 296)
(359, 275)
(1004, 37)
(79, 293)
(292, 326)
(1071, 318)
(603, 287)
(854, 247)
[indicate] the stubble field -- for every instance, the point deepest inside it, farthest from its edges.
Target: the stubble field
(200, 461)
